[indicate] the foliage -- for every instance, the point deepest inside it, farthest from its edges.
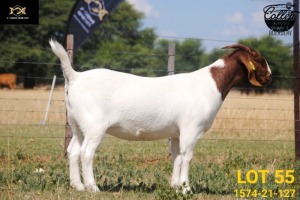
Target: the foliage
(122, 43)
(214, 55)
(26, 43)
(188, 57)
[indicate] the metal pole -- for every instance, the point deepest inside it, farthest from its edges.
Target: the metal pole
(297, 80)
(43, 122)
(68, 132)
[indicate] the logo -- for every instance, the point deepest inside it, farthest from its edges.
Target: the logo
(280, 18)
(97, 8)
(17, 11)
(89, 13)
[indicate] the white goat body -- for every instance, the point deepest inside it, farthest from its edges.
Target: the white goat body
(181, 107)
(139, 108)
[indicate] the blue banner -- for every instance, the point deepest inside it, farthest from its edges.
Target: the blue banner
(86, 16)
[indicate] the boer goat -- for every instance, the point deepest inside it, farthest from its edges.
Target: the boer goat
(181, 107)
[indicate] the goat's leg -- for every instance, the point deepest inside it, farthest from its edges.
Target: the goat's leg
(73, 155)
(88, 149)
(187, 144)
(185, 165)
(176, 157)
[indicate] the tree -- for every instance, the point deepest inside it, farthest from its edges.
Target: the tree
(214, 55)
(189, 55)
(23, 47)
(160, 63)
(120, 44)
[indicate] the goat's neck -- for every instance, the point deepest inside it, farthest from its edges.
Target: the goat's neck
(227, 76)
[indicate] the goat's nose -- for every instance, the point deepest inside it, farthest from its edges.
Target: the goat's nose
(270, 76)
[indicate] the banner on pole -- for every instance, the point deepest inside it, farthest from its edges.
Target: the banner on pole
(86, 16)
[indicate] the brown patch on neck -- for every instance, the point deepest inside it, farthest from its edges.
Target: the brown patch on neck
(227, 77)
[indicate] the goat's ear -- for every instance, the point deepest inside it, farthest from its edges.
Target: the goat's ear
(238, 46)
(251, 70)
(242, 47)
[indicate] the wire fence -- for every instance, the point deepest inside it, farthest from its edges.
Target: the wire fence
(248, 118)
(242, 117)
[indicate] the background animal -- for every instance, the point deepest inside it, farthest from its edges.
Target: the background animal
(8, 80)
(181, 107)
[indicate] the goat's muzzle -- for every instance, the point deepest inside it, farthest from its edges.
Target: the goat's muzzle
(265, 80)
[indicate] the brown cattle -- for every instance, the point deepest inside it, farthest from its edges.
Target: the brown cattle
(8, 80)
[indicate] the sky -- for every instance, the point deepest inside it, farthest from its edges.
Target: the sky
(217, 22)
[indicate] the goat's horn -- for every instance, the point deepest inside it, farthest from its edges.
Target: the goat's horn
(238, 46)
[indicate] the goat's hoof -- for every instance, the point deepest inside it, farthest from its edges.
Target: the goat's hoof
(92, 188)
(175, 184)
(187, 190)
(184, 190)
(78, 186)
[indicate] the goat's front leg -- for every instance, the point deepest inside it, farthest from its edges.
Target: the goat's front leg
(186, 157)
(88, 149)
(188, 140)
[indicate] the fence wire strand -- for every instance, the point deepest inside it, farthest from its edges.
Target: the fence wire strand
(18, 111)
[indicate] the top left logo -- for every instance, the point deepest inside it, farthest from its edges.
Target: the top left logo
(17, 11)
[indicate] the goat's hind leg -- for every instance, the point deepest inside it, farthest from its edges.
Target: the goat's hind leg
(176, 157)
(74, 155)
(88, 149)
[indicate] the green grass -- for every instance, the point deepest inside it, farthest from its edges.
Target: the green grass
(134, 170)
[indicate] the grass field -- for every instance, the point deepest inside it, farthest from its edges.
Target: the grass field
(251, 132)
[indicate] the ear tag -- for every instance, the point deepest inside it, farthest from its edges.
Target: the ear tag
(252, 65)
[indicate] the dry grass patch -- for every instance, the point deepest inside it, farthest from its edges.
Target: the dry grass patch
(256, 117)
(28, 106)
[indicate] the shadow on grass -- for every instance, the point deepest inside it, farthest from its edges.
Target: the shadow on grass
(142, 187)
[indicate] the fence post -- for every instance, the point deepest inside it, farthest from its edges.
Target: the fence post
(297, 80)
(171, 71)
(171, 59)
(68, 132)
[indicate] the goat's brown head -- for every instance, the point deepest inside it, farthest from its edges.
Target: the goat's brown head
(259, 72)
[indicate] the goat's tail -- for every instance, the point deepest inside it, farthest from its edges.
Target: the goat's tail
(61, 53)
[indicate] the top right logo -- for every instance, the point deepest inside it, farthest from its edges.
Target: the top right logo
(280, 18)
